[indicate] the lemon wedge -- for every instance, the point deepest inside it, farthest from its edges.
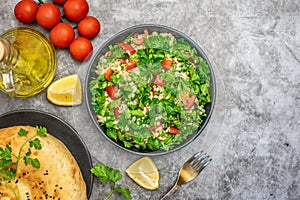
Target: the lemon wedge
(144, 172)
(65, 91)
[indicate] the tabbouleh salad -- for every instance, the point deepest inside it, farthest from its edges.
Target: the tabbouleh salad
(151, 91)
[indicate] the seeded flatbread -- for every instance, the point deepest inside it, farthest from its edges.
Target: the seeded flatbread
(59, 176)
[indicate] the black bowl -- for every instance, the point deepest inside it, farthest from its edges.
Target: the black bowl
(58, 128)
(91, 74)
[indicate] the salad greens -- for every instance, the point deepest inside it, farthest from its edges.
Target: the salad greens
(151, 91)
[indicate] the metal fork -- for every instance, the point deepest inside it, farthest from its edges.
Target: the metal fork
(190, 170)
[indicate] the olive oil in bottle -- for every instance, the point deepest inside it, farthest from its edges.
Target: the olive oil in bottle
(27, 62)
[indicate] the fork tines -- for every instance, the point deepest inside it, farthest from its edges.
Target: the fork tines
(200, 160)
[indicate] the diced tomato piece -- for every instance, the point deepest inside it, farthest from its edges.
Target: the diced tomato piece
(173, 130)
(158, 81)
(117, 112)
(190, 59)
(109, 54)
(191, 102)
(108, 74)
(166, 64)
(111, 91)
(153, 78)
(138, 39)
(131, 65)
(127, 48)
(155, 128)
(123, 61)
(153, 91)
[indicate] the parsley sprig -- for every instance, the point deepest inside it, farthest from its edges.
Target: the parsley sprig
(9, 162)
(108, 174)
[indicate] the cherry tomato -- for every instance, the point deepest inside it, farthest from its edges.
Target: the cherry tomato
(108, 74)
(111, 91)
(76, 10)
(127, 48)
(89, 27)
(48, 15)
(166, 64)
(173, 130)
(62, 35)
(25, 11)
(59, 1)
(81, 49)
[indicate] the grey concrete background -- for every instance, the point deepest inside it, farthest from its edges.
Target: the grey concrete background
(254, 133)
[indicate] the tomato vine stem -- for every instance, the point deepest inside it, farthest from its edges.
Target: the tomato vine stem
(41, 2)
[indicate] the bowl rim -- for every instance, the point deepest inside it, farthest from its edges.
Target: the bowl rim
(201, 53)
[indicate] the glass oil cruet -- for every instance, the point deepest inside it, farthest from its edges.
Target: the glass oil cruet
(27, 62)
(8, 59)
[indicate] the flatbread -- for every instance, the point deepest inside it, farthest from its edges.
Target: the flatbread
(59, 176)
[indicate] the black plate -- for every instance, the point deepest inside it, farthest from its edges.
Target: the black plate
(91, 74)
(59, 129)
